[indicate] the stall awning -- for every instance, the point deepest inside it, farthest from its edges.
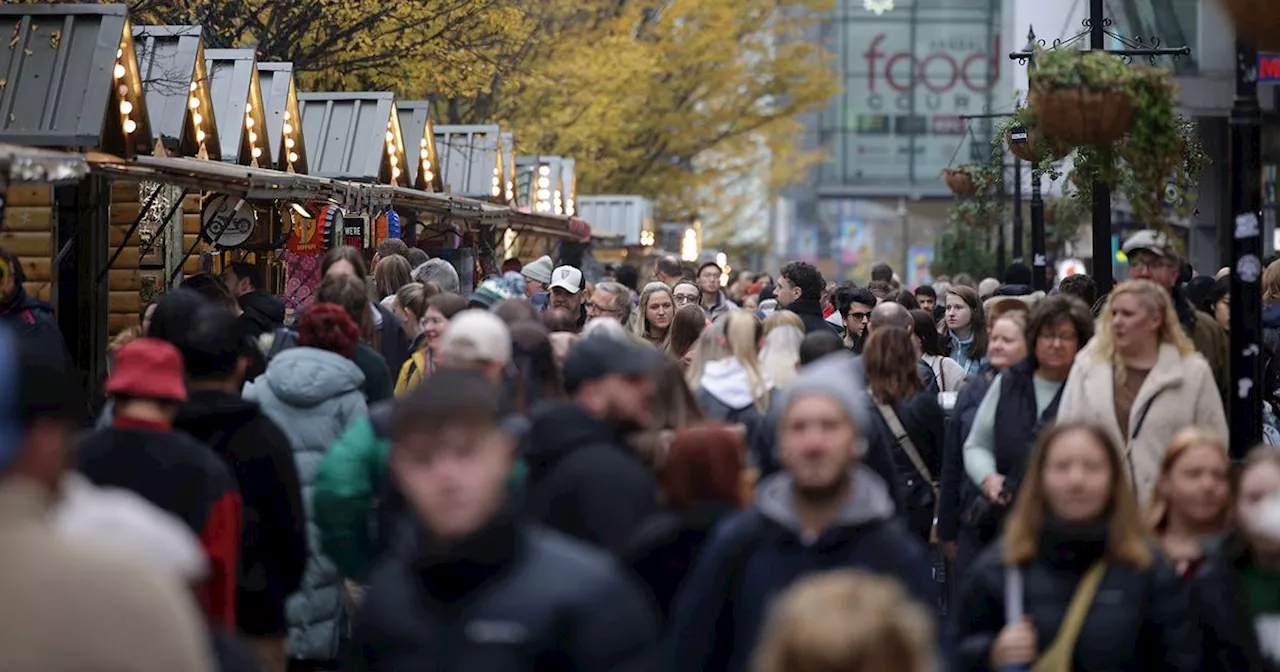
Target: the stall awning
(237, 105)
(69, 71)
(171, 64)
(284, 114)
(544, 224)
(452, 206)
(354, 136)
(252, 183)
(468, 159)
(25, 165)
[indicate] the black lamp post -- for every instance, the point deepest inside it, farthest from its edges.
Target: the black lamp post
(1245, 394)
(1097, 33)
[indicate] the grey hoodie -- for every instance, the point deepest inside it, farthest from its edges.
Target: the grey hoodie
(869, 501)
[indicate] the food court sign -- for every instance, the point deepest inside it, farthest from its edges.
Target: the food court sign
(909, 77)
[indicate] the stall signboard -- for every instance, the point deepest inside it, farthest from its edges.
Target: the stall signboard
(908, 79)
(308, 232)
(1268, 67)
(355, 232)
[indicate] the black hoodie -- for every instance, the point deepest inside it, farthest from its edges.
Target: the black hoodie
(32, 320)
(584, 480)
(263, 313)
(273, 548)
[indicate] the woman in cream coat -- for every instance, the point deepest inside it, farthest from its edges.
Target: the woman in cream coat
(1141, 380)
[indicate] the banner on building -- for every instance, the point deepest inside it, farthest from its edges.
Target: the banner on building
(919, 271)
(854, 243)
(807, 243)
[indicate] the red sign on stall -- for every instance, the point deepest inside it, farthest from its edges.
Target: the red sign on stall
(1268, 67)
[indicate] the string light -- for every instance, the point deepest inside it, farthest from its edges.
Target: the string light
(126, 106)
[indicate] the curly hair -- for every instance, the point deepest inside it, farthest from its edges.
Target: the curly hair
(806, 277)
(327, 326)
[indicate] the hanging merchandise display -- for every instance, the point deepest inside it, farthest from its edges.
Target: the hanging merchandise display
(330, 217)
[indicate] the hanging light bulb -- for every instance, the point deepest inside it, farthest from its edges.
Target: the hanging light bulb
(248, 122)
(391, 137)
(119, 70)
(253, 137)
(293, 157)
(288, 143)
(248, 107)
(126, 107)
(200, 136)
(288, 128)
(423, 143)
(428, 175)
(257, 152)
(287, 115)
(197, 118)
(194, 103)
(194, 86)
(130, 125)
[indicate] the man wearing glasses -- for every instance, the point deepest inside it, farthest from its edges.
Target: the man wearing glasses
(1153, 257)
(685, 292)
(855, 306)
(566, 292)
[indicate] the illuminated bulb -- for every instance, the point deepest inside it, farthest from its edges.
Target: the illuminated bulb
(544, 170)
(248, 107)
(293, 157)
(119, 71)
(287, 115)
(391, 148)
(497, 191)
(557, 194)
(126, 107)
(253, 137)
(123, 90)
(288, 143)
(424, 155)
(510, 186)
(119, 53)
(395, 161)
(194, 86)
(257, 152)
(544, 183)
(496, 182)
(423, 144)
(288, 129)
(194, 103)
(200, 136)
(248, 122)
(395, 173)
(428, 176)
(130, 125)
(543, 194)
(196, 118)
(391, 137)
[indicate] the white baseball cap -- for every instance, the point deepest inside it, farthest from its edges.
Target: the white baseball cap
(567, 278)
(475, 337)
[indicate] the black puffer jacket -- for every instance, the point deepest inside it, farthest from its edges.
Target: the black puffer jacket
(1218, 597)
(509, 598)
(957, 490)
(583, 479)
(1140, 619)
(810, 312)
(925, 423)
(665, 547)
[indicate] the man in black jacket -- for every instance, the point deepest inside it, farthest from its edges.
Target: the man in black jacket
(799, 290)
(273, 545)
(474, 588)
(584, 480)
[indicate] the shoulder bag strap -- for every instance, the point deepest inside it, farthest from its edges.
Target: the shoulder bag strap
(904, 442)
(1058, 657)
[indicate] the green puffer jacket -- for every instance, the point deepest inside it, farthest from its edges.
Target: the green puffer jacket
(350, 486)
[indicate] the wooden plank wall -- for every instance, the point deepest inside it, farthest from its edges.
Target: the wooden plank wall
(124, 301)
(190, 233)
(29, 232)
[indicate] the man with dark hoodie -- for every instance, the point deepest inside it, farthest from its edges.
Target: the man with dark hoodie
(826, 511)
(273, 546)
(263, 312)
(141, 452)
(583, 478)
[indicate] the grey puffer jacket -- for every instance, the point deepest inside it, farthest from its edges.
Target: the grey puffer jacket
(312, 395)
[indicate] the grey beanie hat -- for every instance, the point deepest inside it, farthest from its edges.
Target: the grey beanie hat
(839, 377)
(539, 270)
(438, 271)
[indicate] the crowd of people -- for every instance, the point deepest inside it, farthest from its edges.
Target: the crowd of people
(773, 474)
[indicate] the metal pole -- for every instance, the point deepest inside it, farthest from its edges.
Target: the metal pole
(1017, 210)
(1000, 238)
(1102, 270)
(1038, 256)
(1245, 393)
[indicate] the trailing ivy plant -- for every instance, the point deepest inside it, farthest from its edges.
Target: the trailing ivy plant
(1074, 68)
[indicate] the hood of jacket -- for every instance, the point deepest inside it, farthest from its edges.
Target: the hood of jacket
(208, 411)
(1271, 316)
(304, 377)
(558, 429)
(868, 501)
(727, 380)
(263, 311)
(21, 301)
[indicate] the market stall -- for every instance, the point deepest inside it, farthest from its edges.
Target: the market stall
(419, 131)
(71, 81)
(171, 60)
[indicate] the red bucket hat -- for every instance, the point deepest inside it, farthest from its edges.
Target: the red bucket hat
(148, 368)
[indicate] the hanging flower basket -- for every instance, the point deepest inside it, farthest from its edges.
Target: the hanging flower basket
(1028, 151)
(1257, 20)
(960, 182)
(1080, 116)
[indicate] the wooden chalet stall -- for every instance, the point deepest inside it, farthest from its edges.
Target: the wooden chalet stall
(176, 83)
(288, 148)
(69, 79)
(471, 162)
(354, 137)
(544, 224)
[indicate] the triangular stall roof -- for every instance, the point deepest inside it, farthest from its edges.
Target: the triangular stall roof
(539, 179)
(171, 63)
(507, 155)
(354, 136)
(283, 113)
(420, 134)
(69, 78)
(237, 105)
(469, 155)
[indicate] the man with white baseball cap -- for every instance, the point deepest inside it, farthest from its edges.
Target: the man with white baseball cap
(479, 340)
(566, 291)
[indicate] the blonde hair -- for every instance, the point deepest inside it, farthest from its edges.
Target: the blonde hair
(1271, 282)
(782, 318)
(642, 315)
(742, 332)
(846, 620)
(709, 347)
(1126, 534)
(1155, 298)
(1186, 439)
(781, 354)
